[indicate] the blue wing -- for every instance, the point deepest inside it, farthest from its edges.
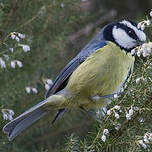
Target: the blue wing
(62, 78)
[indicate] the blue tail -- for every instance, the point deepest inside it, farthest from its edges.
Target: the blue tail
(17, 125)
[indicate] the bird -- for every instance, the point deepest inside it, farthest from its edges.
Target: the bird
(98, 72)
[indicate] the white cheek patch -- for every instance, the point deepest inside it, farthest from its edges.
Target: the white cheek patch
(141, 35)
(122, 38)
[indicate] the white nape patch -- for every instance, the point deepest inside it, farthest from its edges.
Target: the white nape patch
(141, 35)
(123, 39)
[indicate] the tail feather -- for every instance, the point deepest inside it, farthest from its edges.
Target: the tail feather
(16, 126)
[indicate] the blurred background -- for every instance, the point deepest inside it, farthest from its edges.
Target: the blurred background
(55, 30)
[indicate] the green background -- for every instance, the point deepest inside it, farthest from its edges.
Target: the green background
(56, 31)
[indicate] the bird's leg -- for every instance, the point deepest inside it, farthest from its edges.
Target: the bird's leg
(97, 98)
(91, 113)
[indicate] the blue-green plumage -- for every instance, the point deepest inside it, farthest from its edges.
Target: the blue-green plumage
(100, 69)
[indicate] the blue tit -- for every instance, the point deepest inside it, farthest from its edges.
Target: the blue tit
(102, 67)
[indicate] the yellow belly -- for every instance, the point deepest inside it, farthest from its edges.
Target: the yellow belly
(100, 74)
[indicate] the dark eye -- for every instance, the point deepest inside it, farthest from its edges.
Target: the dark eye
(132, 34)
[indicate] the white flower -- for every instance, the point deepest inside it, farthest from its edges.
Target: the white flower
(62, 5)
(108, 112)
(13, 36)
(142, 144)
(144, 49)
(49, 81)
(28, 90)
(11, 112)
(35, 90)
(142, 27)
(16, 36)
(133, 51)
(26, 48)
(150, 14)
(11, 49)
(136, 108)
(7, 114)
(13, 64)
(19, 63)
(105, 131)
(139, 25)
(144, 46)
(118, 125)
(148, 22)
(17, 39)
(128, 116)
(2, 63)
(103, 138)
(116, 107)
(141, 120)
(148, 50)
(10, 117)
(47, 87)
(117, 115)
(6, 57)
(146, 139)
(144, 54)
(138, 80)
(150, 136)
(138, 53)
(22, 36)
(131, 112)
(150, 44)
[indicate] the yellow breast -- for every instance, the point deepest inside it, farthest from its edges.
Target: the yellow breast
(100, 74)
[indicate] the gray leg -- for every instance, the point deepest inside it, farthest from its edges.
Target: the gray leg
(91, 113)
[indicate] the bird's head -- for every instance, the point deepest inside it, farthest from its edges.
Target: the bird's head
(125, 34)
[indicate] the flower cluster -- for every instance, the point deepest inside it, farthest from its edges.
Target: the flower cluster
(2, 63)
(142, 25)
(144, 49)
(7, 114)
(17, 36)
(117, 126)
(31, 89)
(145, 23)
(129, 114)
(105, 133)
(116, 110)
(16, 62)
(47, 83)
(147, 138)
(131, 111)
(5, 59)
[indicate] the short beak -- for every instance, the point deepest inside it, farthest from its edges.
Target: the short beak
(140, 42)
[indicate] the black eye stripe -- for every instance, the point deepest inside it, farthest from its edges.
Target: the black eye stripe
(128, 30)
(132, 34)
